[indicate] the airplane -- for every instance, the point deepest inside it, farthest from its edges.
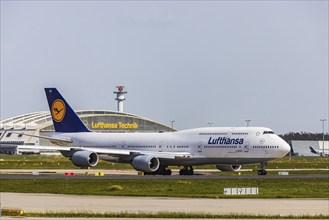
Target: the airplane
(320, 152)
(225, 147)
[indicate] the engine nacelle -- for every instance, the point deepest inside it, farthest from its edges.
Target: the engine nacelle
(224, 167)
(146, 163)
(84, 159)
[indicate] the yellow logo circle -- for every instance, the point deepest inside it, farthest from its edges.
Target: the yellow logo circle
(58, 110)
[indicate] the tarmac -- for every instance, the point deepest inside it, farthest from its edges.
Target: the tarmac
(33, 202)
(132, 174)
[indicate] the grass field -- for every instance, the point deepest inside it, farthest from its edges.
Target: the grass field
(48, 162)
(172, 215)
(60, 162)
(268, 188)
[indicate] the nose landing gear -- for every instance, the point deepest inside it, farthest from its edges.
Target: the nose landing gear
(262, 171)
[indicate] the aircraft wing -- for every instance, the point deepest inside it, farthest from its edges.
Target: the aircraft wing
(112, 152)
(118, 152)
(48, 148)
(60, 148)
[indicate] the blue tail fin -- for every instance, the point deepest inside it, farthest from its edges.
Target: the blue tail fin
(312, 150)
(64, 118)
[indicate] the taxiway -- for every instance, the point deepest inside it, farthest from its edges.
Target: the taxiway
(132, 174)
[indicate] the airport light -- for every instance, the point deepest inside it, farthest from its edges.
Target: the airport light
(210, 124)
(172, 123)
(323, 121)
(247, 120)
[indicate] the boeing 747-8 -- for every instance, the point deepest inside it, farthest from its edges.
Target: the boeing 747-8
(226, 147)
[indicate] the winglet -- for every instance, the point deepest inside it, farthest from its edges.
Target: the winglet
(64, 118)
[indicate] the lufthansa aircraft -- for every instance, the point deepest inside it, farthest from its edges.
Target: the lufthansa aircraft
(323, 153)
(152, 153)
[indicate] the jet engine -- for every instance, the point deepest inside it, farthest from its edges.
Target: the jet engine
(84, 159)
(224, 167)
(146, 163)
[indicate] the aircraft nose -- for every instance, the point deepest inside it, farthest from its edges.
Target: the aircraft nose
(285, 148)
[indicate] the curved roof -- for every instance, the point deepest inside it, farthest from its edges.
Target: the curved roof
(39, 120)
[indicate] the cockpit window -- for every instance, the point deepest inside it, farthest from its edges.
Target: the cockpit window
(268, 132)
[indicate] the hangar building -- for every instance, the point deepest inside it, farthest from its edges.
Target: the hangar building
(303, 148)
(40, 123)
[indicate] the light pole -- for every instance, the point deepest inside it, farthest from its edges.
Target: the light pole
(247, 120)
(172, 123)
(323, 120)
(210, 124)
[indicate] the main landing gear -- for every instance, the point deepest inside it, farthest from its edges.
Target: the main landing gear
(187, 170)
(161, 171)
(166, 172)
(262, 171)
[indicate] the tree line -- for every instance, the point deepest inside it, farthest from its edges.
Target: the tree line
(300, 136)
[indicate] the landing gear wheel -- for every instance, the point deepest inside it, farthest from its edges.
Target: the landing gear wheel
(262, 171)
(187, 170)
(167, 172)
(149, 173)
(164, 171)
(190, 172)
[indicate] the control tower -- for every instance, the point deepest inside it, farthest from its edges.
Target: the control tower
(120, 97)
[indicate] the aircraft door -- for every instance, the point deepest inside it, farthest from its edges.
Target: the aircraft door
(262, 142)
(123, 145)
(246, 147)
(200, 147)
(160, 146)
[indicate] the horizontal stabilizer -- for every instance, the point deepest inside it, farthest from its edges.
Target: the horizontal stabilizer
(63, 140)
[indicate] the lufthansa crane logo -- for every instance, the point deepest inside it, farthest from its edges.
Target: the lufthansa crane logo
(58, 110)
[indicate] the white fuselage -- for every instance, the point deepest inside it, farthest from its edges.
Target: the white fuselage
(213, 145)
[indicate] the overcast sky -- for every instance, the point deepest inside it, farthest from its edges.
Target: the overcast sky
(193, 62)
